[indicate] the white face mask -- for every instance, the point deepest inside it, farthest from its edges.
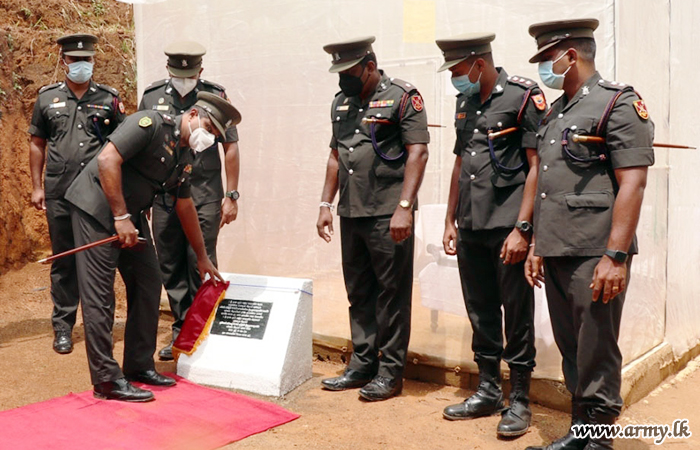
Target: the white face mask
(183, 85)
(200, 139)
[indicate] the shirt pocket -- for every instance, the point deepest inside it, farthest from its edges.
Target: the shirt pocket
(589, 218)
(582, 152)
(342, 128)
(58, 118)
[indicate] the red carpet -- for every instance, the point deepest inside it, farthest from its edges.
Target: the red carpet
(184, 417)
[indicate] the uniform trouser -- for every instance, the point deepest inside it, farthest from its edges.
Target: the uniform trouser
(378, 276)
(64, 278)
(178, 262)
(488, 284)
(586, 333)
(96, 270)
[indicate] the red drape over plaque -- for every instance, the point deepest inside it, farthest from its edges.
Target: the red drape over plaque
(199, 317)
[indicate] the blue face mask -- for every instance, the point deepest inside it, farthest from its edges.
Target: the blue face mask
(464, 85)
(547, 75)
(80, 71)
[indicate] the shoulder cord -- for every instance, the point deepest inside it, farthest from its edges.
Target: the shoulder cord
(492, 151)
(403, 105)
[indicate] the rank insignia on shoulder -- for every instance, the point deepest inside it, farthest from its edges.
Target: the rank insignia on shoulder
(145, 122)
(539, 102)
(121, 108)
(417, 102)
(381, 103)
(461, 115)
(641, 109)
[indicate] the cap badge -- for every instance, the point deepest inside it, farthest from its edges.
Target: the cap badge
(336, 56)
(80, 44)
(184, 63)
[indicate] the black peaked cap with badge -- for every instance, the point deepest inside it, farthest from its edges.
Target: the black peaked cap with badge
(222, 113)
(549, 34)
(459, 48)
(184, 58)
(77, 44)
(348, 53)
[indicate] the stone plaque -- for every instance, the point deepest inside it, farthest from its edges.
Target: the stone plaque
(241, 318)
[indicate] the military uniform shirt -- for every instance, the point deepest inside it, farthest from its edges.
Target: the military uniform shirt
(369, 185)
(154, 163)
(490, 197)
(574, 202)
(74, 129)
(205, 180)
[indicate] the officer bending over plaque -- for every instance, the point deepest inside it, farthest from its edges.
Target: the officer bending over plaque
(148, 154)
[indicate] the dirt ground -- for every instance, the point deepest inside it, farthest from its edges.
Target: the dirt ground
(32, 372)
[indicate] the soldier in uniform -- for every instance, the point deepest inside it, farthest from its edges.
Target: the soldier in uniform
(148, 154)
(178, 262)
(594, 148)
(488, 222)
(377, 160)
(74, 117)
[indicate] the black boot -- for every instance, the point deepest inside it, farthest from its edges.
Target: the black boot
(568, 441)
(515, 420)
(488, 399)
(600, 443)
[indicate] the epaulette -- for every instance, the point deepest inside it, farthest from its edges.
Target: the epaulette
(523, 82)
(155, 84)
(614, 85)
(212, 84)
(107, 88)
(405, 85)
(50, 86)
(167, 118)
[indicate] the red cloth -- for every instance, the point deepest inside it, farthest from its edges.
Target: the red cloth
(183, 417)
(203, 307)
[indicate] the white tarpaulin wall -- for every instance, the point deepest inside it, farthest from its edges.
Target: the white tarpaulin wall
(268, 54)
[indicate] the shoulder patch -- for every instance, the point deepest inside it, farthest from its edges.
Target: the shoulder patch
(212, 85)
(614, 85)
(539, 101)
(50, 86)
(641, 109)
(154, 85)
(522, 82)
(417, 102)
(145, 122)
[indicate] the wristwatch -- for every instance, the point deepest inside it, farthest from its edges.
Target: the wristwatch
(524, 226)
(233, 195)
(405, 204)
(616, 255)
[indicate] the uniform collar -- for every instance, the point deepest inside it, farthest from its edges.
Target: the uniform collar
(382, 85)
(584, 90)
(92, 88)
(498, 87)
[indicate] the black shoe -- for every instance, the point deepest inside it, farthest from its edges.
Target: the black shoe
(478, 405)
(166, 353)
(600, 443)
(62, 342)
(123, 391)
(151, 377)
(381, 388)
(515, 421)
(351, 379)
(568, 441)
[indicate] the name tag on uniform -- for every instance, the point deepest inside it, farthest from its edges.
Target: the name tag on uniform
(57, 105)
(381, 103)
(342, 108)
(161, 107)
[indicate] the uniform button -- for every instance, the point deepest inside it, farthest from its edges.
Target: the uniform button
(80, 126)
(499, 124)
(560, 115)
(337, 118)
(361, 109)
(379, 114)
(545, 167)
(472, 176)
(82, 164)
(552, 141)
(473, 153)
(58, 112)
(476, 130)
(478, 113)
(80, 108)
(351, 149)
(357, 131)
(350, 171)
(81, 144)
(573, 127)
(182, 111)
(543, 195)
(162, 159)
